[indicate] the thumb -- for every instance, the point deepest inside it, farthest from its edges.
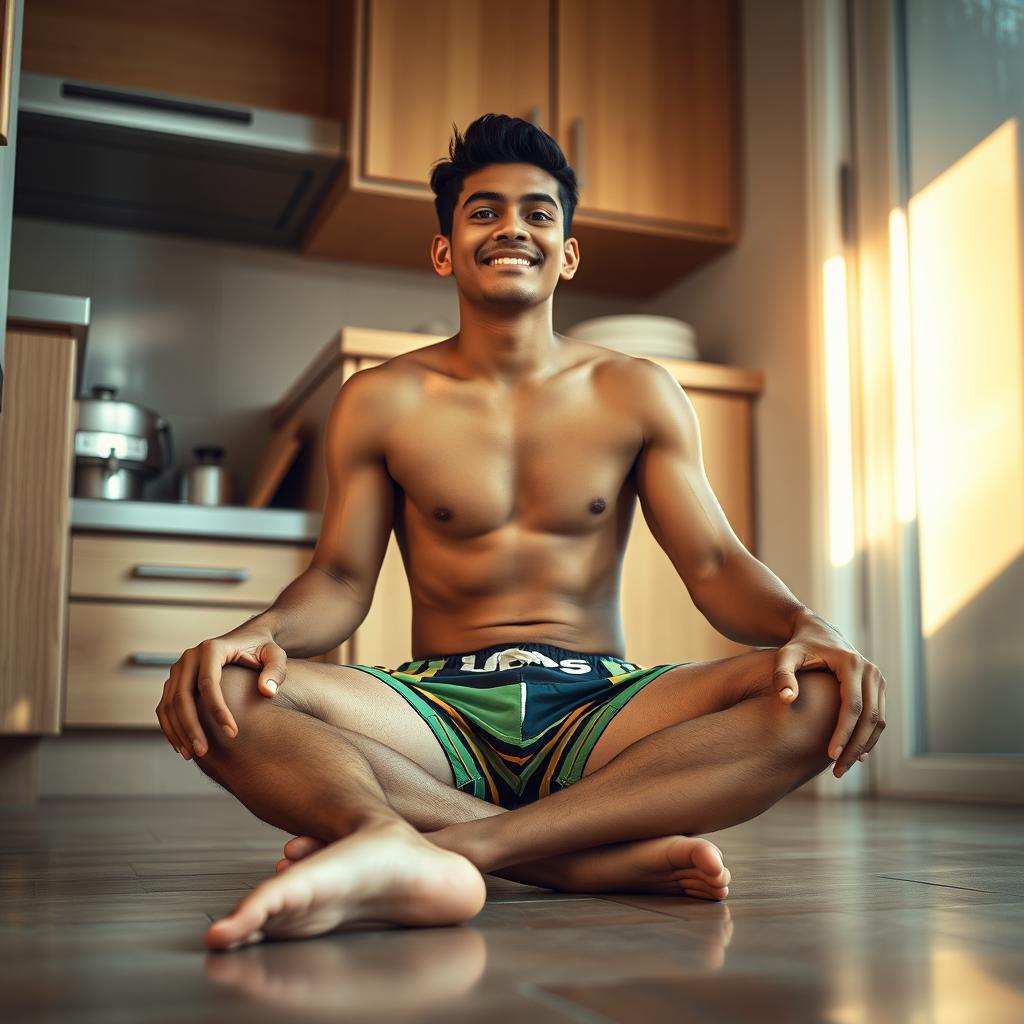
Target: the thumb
(788, 660)
(273, 672)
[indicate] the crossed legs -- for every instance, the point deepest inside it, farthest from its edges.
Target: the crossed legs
(697, 775)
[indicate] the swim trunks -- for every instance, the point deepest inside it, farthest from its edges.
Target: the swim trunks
(517, 723)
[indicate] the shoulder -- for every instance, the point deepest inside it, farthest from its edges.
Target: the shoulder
(657, 399)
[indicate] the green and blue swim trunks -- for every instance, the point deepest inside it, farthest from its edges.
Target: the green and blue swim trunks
(517, 723)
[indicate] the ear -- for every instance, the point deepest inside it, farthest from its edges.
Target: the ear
(441, 255)
(570, 259)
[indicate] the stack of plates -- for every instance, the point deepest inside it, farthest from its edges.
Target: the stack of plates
(640, 335)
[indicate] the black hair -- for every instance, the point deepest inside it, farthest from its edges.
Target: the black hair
(500, 139)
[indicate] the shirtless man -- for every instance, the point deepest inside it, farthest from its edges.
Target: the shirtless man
(508, 460)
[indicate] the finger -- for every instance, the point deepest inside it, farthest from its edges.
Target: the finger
(881, 722)
(176, 732)
(865, 727)
(186, 712)
(211, 665)
(852, 705)
(273, 672)
(787, 661)
(168, 732)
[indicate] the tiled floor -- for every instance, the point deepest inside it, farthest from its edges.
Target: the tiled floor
(838, 912)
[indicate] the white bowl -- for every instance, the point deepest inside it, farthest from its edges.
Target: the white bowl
(655, 335)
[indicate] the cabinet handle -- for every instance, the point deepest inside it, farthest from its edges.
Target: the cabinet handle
(153, 660)
(7, 11)
(578, 151)
(187, 572)
(534, 116)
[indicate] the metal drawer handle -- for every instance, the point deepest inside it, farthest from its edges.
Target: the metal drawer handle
(185, 572)
(153, 660)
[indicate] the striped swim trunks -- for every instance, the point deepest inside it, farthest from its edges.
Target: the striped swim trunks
(517, 723)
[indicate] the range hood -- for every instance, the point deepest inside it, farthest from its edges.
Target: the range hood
(150, 160)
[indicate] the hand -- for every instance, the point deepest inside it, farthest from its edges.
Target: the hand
(816, 644)
(200, 668)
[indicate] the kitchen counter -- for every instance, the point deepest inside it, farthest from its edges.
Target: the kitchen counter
(295, 526)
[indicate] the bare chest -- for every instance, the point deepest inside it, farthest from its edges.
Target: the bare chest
(554, 460)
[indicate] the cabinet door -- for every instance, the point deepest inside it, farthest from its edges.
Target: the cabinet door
(428, 65)
(647, 107)
(660, 621)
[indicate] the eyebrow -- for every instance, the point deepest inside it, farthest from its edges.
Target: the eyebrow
(539, 197)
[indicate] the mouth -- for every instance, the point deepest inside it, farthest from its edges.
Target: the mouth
(511, 263)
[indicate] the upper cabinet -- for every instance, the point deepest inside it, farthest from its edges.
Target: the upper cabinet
(645, 100)
(428, 65)
(641, 96)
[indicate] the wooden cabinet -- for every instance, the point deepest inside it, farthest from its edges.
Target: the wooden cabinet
(646, 109)
(642, 98)
(428, 65)
(36, 463)
(136, 602)
(660, 621)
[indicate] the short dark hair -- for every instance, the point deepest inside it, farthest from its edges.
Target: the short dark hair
(500, 139)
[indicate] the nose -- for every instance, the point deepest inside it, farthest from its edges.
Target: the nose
(511, 226)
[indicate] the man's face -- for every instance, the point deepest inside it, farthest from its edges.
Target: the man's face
(513, 209)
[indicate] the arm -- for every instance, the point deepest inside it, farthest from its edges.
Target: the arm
(324, 606)
(740, 596)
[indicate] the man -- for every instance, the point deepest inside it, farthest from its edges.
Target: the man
(508, 460)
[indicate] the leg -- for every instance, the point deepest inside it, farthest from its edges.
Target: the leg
(699, 775)
(301, 734)
(389, 872)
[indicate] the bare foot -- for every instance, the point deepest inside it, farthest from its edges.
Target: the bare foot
(668, 865)
(386, 873)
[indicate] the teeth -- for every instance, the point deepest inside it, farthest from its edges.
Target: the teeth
(515, 262)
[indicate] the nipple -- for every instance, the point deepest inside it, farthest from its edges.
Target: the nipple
(597, 505)
(442, 514)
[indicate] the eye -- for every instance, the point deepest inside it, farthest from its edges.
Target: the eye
(484, 209)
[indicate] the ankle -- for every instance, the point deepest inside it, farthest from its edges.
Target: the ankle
(470, 839)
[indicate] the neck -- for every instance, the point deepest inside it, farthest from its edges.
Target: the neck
(507, 347)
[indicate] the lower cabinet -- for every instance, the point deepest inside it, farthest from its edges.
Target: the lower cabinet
(120, 654)
(137, 602)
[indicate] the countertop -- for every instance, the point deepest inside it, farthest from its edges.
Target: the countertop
(222, 521)
(48, 309)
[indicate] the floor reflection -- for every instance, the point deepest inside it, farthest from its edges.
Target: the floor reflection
(375, 974)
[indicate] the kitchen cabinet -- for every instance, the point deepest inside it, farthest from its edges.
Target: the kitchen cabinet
(36, 465)
(642, 97)
(456, 60)
(135, 603)
(660, 622)
(643, 100)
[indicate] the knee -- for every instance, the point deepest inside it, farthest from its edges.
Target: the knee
(238, 687)
(810, 721)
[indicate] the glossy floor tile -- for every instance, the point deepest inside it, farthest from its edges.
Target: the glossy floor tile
(839, 912)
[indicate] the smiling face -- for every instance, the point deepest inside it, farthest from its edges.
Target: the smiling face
(509, 210)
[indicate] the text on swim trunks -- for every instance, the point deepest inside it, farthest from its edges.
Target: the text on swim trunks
(516, 657)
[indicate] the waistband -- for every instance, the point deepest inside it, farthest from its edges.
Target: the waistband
(508, 653)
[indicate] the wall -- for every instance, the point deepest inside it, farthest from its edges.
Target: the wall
(750, 306)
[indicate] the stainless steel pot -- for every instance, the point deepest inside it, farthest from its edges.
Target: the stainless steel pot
(118, 445)
(207, 482)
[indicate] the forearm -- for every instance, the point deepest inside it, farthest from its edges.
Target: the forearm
(313, 614)
(745, 601)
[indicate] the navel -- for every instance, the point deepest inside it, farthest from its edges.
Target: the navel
(597, 505)
(442, 514)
